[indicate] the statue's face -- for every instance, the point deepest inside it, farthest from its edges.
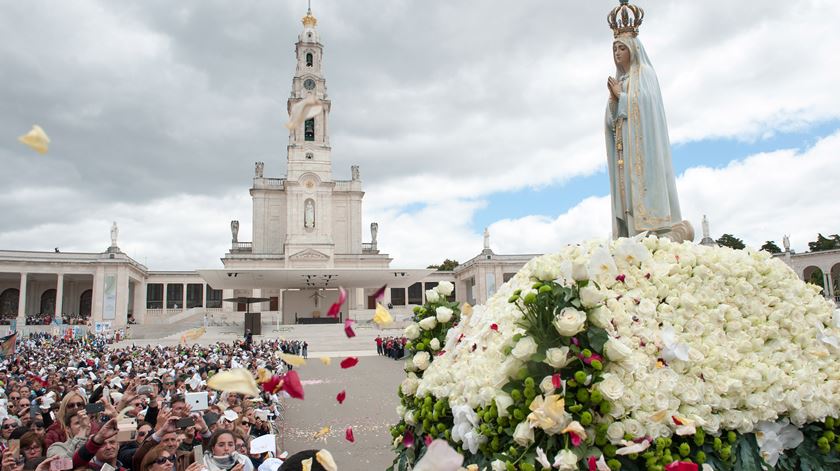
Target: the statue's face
(621, 55)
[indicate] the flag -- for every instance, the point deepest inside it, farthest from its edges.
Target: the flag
(7, 345)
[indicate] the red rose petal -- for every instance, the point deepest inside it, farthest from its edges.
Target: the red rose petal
(380, 293)
(427, 440)
(682, 466)
(408, 439)
(494, 326)
(575, 438)
(348, 435)
(291, 384)
(556, 381)
(348, 328)
(592, 462)
(335, 308)
(340, 397)
(349, 362)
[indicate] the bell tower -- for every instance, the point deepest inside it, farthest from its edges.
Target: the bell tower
(309, 144)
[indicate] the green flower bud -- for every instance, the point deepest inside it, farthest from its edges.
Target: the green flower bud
(731, 437)
(571, 383)
(516, 395)
(829, 435)
(545, 289)
(700, 458)
(726, 453)
(829, 423)
(604, 408)
(597, 365)
(582, 396)
(822, 442)
(517, 292)
(526, 467)
(586, 418)
(580, 377)
(529, 382)
(530, 298)
(537, 285)
(513, 298)
(614, 465)
(595, 397)
(717, 444)
(518, 414)
(609, 450)
(685, 450)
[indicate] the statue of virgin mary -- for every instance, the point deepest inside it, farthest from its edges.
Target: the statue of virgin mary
(642, 184)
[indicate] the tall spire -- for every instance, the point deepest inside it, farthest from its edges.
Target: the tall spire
(309, 21)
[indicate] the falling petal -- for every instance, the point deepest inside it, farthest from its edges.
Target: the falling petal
(305, 109)
(237, 380)
(466, 309)
(291, 384)
(382, 317)
(325, 459)
(349, 362)
(336, 308)
(193, 334)
(36, 139)
(542, 458)
(340, 397)
(321, 433)
(494, 327)
(272, 385)
(348, 328)
(348, 435)
(326, 361)
(306, 465)
(440, 456)
(294, 360)
(380, 293)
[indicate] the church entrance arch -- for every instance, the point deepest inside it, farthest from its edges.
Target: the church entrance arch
(48, 302)
(85, 303)
(9, 303)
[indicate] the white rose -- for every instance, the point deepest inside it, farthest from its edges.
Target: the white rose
(524, 348)
(615, 432)
(445, 288)
(498, 465)
(547, 385)
(523, 434)
(412, 331)
(634, 428)
(557, 357)
(566, 460)
(616, 350)
(428, 323)
(600, 317)
(409, 386)
(409, 418)
(432, 296)
(444, 314)
(611, 387)
(579, 271)
(421, 360)
(590, 296)
(435, 344)
(503, 401)
(569, 322)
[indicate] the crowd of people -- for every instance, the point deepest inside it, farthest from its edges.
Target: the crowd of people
(72, 404)
(391, 347)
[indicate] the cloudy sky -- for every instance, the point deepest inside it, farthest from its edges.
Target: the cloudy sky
(462, 115)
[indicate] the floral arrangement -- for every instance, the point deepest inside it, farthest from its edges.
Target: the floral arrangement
(632, 354)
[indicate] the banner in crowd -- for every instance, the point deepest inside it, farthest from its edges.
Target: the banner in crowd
(7, 345)
(109, 301)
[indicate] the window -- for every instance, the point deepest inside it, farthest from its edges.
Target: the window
(214, 298)
(507, 276)
(174, 296)
(415, 294)
(154, 296)
(398, 296)
(490, 278)
(194, 295)
(470, 290)
(309, 59)
(309, 130)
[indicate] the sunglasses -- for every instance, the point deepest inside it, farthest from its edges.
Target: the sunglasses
(163, 460)
(8, 426)
(75, 405)
(245, 422)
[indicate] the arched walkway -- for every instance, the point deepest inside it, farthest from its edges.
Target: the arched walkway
(835, 280)
(48, 302)
(85, 302)
(9, 303)
(814, 276)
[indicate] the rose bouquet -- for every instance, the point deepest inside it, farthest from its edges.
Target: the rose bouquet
(630, 354)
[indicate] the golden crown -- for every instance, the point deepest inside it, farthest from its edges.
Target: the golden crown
(309, 20)
(625, 19)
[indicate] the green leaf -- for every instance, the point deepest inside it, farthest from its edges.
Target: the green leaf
(597, 338)
(748, 454)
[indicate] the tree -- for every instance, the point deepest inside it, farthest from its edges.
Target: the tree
(729, 240)
(447, 265)
(825, 243)
(771, 247)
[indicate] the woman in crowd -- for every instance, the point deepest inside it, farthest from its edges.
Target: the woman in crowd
(223, 455)
(72, 402)
(32, 446)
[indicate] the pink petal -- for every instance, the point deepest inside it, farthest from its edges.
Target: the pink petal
(349, 362)
(427, 440)
(291, 384)
(494, 326)
(340, 397)
(348, 328)
(408, 439)
(380, 293)
(575, 438)
(556, 381)
(348, 435)
(592, 464)
(682, 466)
(336, 308)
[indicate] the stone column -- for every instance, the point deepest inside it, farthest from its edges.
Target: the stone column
(829, 286)
(59, 296)
(165, 292)
(257, 293)
(21, 316)
(228, 307)
(184, 298)
(204, 295)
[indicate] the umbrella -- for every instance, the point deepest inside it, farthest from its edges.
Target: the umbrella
(247, 301)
